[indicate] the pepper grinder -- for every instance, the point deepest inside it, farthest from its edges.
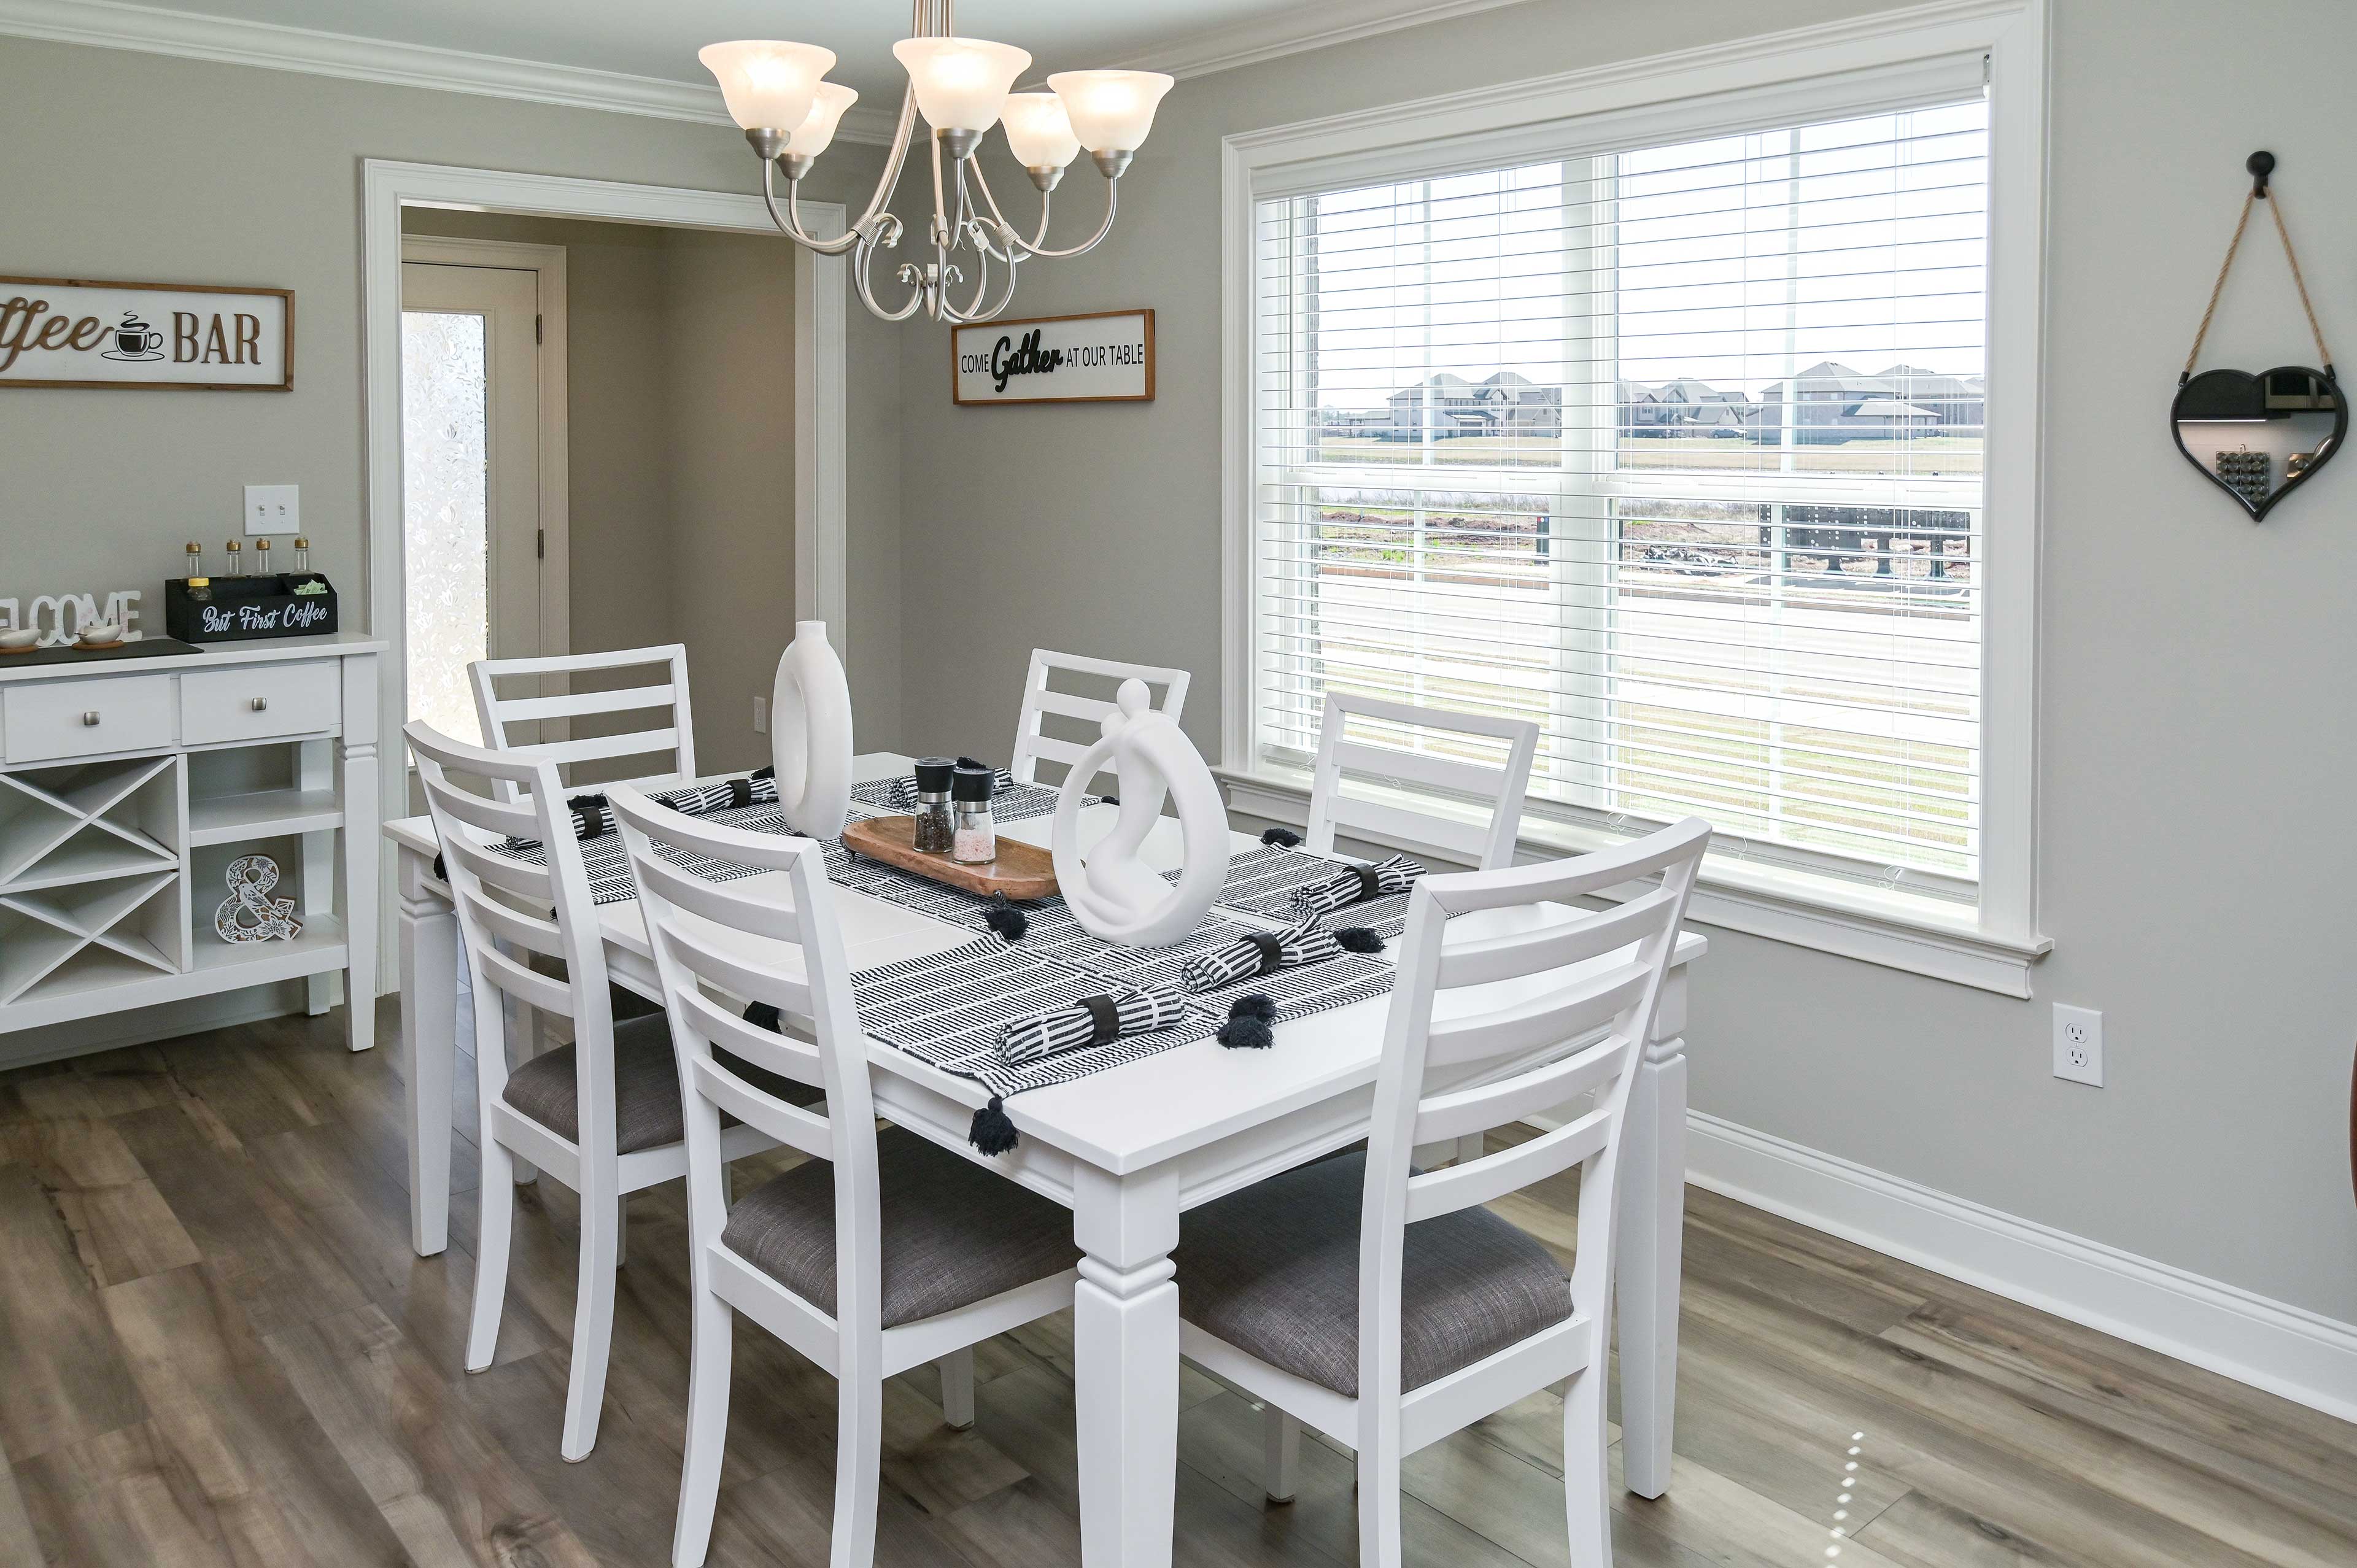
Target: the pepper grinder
(976, 839)
(935, 831)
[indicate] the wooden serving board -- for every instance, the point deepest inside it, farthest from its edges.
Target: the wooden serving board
(1021, 870)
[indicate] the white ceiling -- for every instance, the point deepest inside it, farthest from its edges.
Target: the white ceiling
(659, 39)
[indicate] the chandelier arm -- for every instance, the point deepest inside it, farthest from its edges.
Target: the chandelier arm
(1113, 205)
(1013, 241)
(788, 218)
(859, 271)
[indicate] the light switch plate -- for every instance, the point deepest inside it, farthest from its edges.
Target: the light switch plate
(274, 508)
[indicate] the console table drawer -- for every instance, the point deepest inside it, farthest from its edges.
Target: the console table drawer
(46, 720)
(257, 702)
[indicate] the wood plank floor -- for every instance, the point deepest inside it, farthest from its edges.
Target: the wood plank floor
(217, 1347)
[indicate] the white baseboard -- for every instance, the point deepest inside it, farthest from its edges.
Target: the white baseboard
(2287, 1351)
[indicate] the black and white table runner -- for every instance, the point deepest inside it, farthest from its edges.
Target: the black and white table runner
(1269, 880)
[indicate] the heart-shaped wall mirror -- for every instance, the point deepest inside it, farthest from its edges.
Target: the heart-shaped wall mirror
(2260, 437)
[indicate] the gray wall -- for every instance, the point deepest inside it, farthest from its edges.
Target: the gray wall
(2196, 732)
(261, 185)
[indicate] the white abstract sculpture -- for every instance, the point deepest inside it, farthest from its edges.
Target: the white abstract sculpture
(810, 733)
(1115, 895)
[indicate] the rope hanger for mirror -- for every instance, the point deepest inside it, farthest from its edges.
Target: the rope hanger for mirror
(2261, 165)
(2285, 392)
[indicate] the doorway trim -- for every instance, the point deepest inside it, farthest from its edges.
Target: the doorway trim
(820, 579)
(556, 471)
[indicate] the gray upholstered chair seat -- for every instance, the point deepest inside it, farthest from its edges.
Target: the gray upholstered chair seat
(954, 1233)
(646, 1087)
(1274, 1270)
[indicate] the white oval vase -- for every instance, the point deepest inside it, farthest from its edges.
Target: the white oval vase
(810, 733)
(1115, 895)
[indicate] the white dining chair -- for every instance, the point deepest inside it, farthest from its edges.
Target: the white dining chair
(883, 1250)
(670, 730)
(1040, 701)
(601, 1114)
(1501, 787)
(1381, 1303)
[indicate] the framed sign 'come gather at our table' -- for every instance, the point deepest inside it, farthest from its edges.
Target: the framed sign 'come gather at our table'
(1104, 357)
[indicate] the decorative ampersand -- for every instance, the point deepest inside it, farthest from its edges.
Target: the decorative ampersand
(1114, 895)
(249, 914)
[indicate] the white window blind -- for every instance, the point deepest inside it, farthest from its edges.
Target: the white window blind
(1677, 452)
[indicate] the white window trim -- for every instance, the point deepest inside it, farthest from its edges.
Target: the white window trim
(1778, 78)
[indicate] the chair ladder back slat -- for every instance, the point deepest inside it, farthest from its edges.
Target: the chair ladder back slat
(1482, 961)
(789, 1124)
(501, 819)
(733, 975)
(1557, 1018)
(722, 904)
(1493, 1176)
(497, 970)
(1442, 1118)
(779, 1054)
(506, 872)
(505, 924)
(580, 705)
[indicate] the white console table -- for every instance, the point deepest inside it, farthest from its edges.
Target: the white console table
(119, 777)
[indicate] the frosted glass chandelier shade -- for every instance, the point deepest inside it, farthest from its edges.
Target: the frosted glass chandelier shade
(961, 82)
(1038, 132)
(765, 83)
(1111, 110)
(816, 133)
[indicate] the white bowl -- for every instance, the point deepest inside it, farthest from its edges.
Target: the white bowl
(102, 632)
(23, 637)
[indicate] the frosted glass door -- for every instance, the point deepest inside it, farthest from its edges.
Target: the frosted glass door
(470, 472)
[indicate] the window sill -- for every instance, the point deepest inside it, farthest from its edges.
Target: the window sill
(1896, 930)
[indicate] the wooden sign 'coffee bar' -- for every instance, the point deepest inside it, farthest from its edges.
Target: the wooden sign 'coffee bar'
(65, 332)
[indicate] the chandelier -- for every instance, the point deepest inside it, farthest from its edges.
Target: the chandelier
(776, 92)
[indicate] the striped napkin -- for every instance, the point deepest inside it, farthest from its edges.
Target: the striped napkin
(1258, 952)
(592, 818)
(1090, 1021)
(1357, 884)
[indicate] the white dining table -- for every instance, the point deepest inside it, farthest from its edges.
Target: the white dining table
(1127, 1150)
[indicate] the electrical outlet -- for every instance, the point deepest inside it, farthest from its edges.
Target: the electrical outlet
(760, 716)
(274, 508)
(2079, 1044)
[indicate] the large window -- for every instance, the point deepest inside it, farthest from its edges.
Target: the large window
(1674, 450)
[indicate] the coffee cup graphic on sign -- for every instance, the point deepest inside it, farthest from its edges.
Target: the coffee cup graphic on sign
(135, 339)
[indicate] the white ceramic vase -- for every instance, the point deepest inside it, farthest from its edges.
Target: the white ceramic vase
(1114, 895)
(810, 733)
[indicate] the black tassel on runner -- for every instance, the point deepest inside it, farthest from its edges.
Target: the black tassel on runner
(1005, 919)
(993, 1132)
(1248, 1025)
(762, 1015)
(1360, 939)
(1282, 838)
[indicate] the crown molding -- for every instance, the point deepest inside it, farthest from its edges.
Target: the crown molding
(107, 24)
(1273, 38)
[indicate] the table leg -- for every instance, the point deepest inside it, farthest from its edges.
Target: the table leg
(429, 1038)
(1653, 1225)
(1125, 1363)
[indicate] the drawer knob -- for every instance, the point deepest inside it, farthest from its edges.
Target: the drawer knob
(90, 719)
(260, 703)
